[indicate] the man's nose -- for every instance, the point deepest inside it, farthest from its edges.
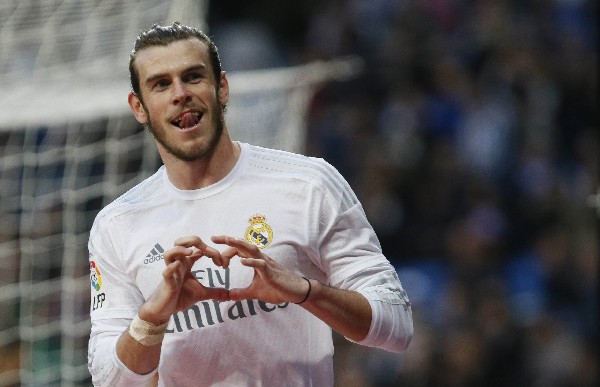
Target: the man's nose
(181, 94)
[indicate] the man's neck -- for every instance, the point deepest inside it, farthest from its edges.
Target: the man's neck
(188, 175)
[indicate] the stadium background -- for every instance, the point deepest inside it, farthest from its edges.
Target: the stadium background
(471, 137)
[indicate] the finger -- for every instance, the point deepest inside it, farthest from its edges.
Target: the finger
(209, 252)
(203, 250)
(174, 273)
(176, 253)
(218, 294)
(231, 252)
(257, 264)
(239, 294)
(245, 248)
(216, 256)
(192, 241)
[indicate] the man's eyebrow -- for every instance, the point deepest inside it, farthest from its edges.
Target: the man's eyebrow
(152, 78)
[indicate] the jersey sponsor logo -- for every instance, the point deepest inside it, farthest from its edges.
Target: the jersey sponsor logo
(211, 312)
(259, 233)
(207, 313)
(155, 255)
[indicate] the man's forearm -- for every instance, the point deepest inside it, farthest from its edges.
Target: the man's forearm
(345, 311)
(138, 358)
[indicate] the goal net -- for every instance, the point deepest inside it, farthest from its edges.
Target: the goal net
(69, 145)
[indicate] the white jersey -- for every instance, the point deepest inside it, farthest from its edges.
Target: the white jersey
(299, 211)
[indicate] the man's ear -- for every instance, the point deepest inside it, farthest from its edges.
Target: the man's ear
(137, 108)
(223, 89)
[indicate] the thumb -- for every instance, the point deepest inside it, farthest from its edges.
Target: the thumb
(218, 294)
(238, 294)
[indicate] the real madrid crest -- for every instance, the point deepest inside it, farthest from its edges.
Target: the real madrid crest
(259, 232)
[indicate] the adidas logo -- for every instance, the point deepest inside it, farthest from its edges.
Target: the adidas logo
(155, 255)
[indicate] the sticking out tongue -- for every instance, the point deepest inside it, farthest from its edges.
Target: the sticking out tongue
(188, 120)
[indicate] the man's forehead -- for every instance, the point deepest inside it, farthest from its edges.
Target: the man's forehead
(178, 54)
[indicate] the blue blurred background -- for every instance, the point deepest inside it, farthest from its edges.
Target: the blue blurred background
(471, 138)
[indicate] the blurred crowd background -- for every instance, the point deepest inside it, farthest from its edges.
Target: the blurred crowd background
(471, 138)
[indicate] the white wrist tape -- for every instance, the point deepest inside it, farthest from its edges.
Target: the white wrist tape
(146, 333)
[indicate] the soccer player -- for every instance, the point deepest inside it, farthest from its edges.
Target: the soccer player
(232, 264)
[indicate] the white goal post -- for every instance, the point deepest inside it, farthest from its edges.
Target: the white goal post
(69, 145)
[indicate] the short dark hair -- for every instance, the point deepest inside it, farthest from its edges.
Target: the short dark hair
(164, 35)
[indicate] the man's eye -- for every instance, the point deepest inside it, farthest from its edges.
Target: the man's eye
(161, 84)
(192, 77)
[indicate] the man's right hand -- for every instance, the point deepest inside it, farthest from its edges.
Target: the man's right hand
(180, 289)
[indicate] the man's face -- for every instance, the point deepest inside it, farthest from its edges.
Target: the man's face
(181, 103)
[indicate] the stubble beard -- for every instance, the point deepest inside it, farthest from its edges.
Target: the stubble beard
(198, 151)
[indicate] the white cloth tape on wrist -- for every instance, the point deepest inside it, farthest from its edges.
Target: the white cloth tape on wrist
(146, 333)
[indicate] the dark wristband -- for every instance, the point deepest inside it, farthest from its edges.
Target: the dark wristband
(307, 293)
